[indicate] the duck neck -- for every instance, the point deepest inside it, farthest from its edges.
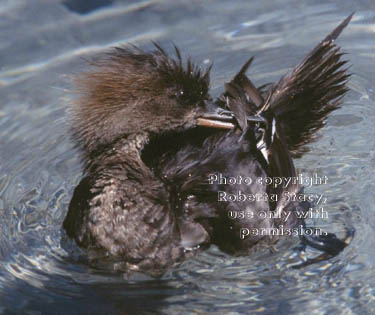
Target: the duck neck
(123, 151)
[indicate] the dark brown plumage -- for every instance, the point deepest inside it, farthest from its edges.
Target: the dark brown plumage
(303, 99)
(145, 203)
(121, 208)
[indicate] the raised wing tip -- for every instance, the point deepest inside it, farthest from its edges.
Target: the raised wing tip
(246, 66)
(337, 31)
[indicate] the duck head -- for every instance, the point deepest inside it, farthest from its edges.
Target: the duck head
(129, 91)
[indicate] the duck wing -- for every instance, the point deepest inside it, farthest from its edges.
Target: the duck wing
(302, 99)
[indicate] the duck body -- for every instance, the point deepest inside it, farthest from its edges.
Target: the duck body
(188, 169)
(125, 192)
(146, 202)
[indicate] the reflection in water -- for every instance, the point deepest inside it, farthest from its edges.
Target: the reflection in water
(41, 272)
(84, 7)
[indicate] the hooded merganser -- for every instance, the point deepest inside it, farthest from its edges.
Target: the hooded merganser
(145, 201)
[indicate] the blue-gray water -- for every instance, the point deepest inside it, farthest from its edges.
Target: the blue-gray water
(43, 42)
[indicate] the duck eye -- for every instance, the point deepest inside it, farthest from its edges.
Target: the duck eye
(181, 96)
(190, 96)
(180, 93)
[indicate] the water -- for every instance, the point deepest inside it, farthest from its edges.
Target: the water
(43, 42)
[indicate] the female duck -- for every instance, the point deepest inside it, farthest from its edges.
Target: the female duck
(145, 202)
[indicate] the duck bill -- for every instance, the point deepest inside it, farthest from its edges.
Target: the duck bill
(224, 119)
(210, 123)
(214, 120)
